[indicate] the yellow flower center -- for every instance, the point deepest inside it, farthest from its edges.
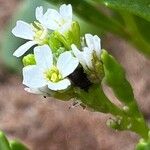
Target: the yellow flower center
(53, 74)
(40, 33)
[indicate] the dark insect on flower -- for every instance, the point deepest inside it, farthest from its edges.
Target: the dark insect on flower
(79, 79)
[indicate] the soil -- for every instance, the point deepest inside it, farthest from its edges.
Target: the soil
(49, 124)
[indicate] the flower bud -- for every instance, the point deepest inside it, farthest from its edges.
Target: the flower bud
(29, 60)
(71, 36)
(54, 43)
(97, 72)
(89, 57)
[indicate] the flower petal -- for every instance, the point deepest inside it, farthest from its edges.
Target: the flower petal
(61, 85)
(39, 13)
(93, 42)
(43, 57)
(51, 19)
(97, 45)
(41, 91)
(33, 77)
(67, 63)
(23, 48)
(87, 54)
(65, 27)
(89, 41)
(78, 54)
(23, 30)
(66, 12)
(33, 91)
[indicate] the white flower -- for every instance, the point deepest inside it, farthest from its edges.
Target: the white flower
(46, 72)
(54, 20)
(85, 56)
(36, 33)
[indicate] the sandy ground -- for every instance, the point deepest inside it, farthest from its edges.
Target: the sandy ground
(48, 124)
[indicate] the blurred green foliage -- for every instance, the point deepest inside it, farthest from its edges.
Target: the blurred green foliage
(10, 145)
(138, 7)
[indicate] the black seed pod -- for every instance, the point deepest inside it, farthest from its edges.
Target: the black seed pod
(79, 79)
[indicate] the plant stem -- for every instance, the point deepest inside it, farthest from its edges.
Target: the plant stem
(137, 125)
(97, 100)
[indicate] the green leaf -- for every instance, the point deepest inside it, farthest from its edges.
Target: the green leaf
(115, 78)
(16, 145)
(143, 145)
(143, 27)
(138, 39)
(137, 7)
(4, 144)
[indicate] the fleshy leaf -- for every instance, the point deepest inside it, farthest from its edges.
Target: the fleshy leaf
(16, 145)
(4, 144)
(143, 145)
(115, 78)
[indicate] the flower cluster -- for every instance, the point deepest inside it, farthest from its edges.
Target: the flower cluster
(66, 65)
(62, 60)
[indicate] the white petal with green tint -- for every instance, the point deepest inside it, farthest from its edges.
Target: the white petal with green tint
(93, 43)
(60, 85)
(79, 55)
(34, 91)
(97, 45)
(43, 57)
(66, 11)
(23, 30)
(40, 91)
(87, 54)
(23, 48)
(60, 21)
(67, 63)
(89, 41)
(39, 13)
(33, 77)
(51, 19)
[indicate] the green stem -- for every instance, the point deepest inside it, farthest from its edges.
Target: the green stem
(97, 100)
(134, 124)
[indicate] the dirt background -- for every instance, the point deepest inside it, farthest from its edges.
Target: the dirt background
(48, 124)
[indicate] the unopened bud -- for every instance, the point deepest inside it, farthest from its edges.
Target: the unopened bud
(29, 60)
